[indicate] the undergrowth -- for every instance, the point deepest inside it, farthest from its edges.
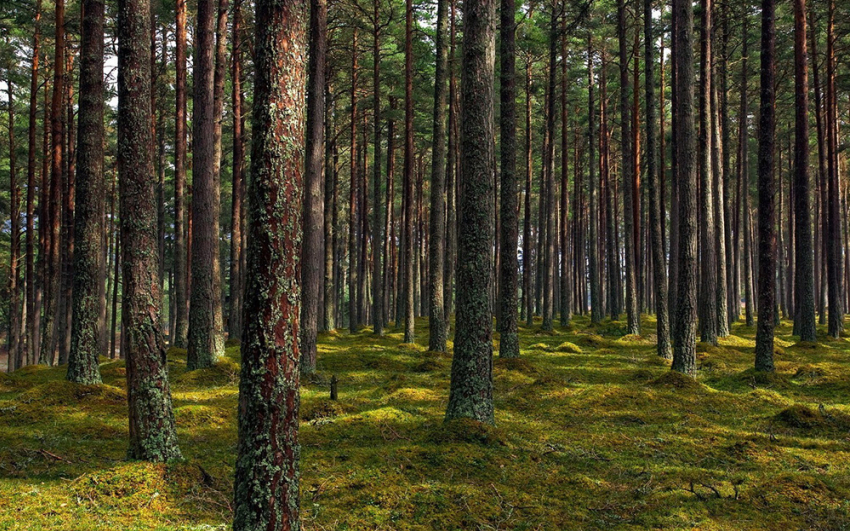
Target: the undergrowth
(592, 432)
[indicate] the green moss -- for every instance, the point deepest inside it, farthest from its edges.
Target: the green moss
(610, 439)
(568, 347)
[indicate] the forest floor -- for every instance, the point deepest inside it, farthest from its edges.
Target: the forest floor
(592, 432)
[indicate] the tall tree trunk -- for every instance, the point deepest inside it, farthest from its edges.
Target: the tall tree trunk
(237, 243)
(312, 247)
(437, 225)
(353, 325)
(331, 301)
(833, 250)
(596, 310)
(821, 188)
(66, 228)
(548, 198)
(471, 392)
(719, 195)
(181, 288)
(205, 327)
(266, 485)
(527, 260)
(53, 208)
(30, 280)
(732, 278)
(408, 176)
(655, 203)
(707, 243)
(89, 296)
(451, 178)
(744, 176)
(508, 265)
(153, 436)
(684, 344)
(14, 360)
(377, 167)
(804, 315)
(767, 191)
(565, 291)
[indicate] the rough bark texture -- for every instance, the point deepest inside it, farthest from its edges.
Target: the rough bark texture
(314, 210)
(596, 310)
(15, 359)
(804, 317)
(684, 345)
(655, 206)
(267, 476)
(181, 306)
(205, 327)
(436, 242)
(237, 237)
(565, 292)
(707, 243)
(52, 209)
(89, 267)
(744, 169)
(833, 248)
(31, 320)
(451, 177)
(628, 172)
(767, 191)
(471, 393)
(377, 220)
(547, 247)
(353, 325)
(508, 266)
(153, 436)
(408, 178)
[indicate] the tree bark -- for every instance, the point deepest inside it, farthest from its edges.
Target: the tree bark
(596, 310)
(409, 246)
(767, 191)
(312, 245)
(14, 360)
(267, 478)
(153, 436)
(89, 271)
(471, 392)
(684, 344)
(205, 326)
(181, 320)
(655, 204)
(804, 316)
(237, 243)
(833, 249)
(508, 265)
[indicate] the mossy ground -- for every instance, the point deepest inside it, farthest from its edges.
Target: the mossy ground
(599, 439)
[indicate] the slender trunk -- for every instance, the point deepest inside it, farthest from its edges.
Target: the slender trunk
(565, 291)
(833, 250)
(451, 178)
(409, 247)
(596, 310)
(14, 360)
(312, 246)
(353, 325)
(153, 436)
(527, 261)
(684, 344)
(181, 288)
(655, 203)
(437, 225)
(237, 244)
(89, 295)
(377, 167)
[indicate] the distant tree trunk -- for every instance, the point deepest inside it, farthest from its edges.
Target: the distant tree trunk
(707, 243)
(205, 327)
(89, 271)
(565, 290)
(53, 206)
(471, 392)
(628, 173)
(237, 243)
(767, 191)
(152, 432)
(353, 325)
(181, 320)
(409, 245)
(527, 261)
(804, 316)
(377, 167)
(312, 247)
(744, 176)
(14, 360)
(833, 250)
(451, 179)
(330, 306)
(733, 306)
(547, 247)
(508, 265)
(684, 344)
(66, 228)
(655, 203)
(596, 310)
(389, 221)
(821, 187)
(267, 478)
(30, 280)
(719, 185)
